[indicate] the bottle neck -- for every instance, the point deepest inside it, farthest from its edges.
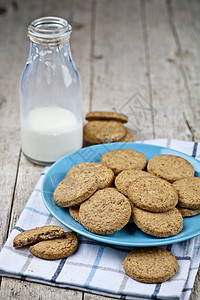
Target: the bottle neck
(44, 53)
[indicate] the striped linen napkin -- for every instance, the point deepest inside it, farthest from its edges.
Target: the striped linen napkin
(98, 267)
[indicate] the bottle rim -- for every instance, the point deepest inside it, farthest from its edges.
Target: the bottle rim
(49, 31)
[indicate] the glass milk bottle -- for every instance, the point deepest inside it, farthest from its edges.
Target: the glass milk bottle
(50, 94)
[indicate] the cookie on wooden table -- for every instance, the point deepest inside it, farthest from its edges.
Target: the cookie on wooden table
(74, 213)
(56, 248)
(164, 224)
(105, 175)
(75, 189)
(98, 132)
(150, 265)
(105, 212)
(37, 234)
(186, 212)
(106, 115)
(153, 194)
(170, 167)
(188, 192)
(126, 177)
(128, 138)
(124, 159)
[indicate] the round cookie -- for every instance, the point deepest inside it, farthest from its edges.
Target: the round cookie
(105, 212)
(37, 234)
(188, 192)
(127, 177)
(75, 189)
(74, 213)
(164, 224)
(153, 194)
(124, 159)
(56, 248)
(150, 265)
(128, 138)
(105, 175)
(98, 132)
(106, 115)
(170, 167)
(186, 212)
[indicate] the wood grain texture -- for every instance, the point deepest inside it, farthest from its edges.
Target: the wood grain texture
(118, 54)
(138, 57)
(168, 89)
(17, 289)
(88, 296)
(186, 27)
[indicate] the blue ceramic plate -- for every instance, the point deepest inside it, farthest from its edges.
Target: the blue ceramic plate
(130, 235)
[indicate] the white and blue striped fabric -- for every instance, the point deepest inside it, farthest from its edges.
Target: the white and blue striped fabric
(97, 267)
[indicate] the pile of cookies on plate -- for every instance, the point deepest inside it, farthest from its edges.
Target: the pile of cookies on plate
(123, 188)
(106, 127)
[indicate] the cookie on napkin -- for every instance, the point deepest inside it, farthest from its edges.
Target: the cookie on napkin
(37, 234)
(57, 248)
(150, 265)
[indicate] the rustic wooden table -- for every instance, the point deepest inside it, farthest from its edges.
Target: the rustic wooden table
(140, 57)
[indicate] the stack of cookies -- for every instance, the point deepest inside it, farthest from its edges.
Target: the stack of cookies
(180, 173)
(106, 127)
(123, 188)
(87, 191)
(48, 242)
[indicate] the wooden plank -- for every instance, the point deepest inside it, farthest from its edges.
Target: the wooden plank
(88, 296)
(185, 18)
(168, 89)
(17, 289)
(119, 65)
